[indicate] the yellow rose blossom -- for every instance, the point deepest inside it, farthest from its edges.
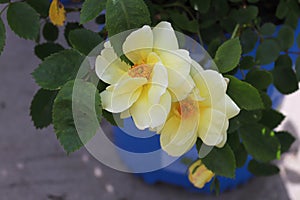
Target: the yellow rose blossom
(199, 175)
(160, 75)
(205, 113)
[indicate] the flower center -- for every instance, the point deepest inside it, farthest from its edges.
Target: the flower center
(142, 71)
(187, 108)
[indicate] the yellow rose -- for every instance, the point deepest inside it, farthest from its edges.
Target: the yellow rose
(205, 113)
(146, 89)
(199, 175)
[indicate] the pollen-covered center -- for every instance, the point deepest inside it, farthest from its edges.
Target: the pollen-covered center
(187, 108)
(142, 71)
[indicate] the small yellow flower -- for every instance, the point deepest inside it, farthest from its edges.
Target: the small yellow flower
(159, 76)
(199, 175)
(57, 13)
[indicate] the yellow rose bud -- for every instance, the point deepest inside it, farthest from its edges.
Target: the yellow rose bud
(199, 175)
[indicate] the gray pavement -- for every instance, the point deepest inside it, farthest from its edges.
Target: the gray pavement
(33, 166)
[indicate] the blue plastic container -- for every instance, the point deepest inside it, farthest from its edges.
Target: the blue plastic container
(176, 173)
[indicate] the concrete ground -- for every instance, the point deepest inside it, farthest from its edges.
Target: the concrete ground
(33, 166)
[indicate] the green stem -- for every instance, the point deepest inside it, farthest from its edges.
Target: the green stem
(235, 31)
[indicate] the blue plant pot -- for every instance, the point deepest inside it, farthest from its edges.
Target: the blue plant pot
(176, 173)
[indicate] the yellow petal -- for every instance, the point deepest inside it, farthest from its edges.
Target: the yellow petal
(138, 45)
(178, 64)
(57, 13)
(199, 175)
(164, 37)
(178, 136)
(139, 111)
(211, 125)
(120, 97)
(109, 67)
(159, 83)
(231, 108)
(212, 88)
(159, 112)
(183, 90)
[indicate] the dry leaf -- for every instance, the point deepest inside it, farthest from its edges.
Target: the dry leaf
(57, 13)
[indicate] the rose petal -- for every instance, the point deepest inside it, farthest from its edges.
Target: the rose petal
(164, 37)
(138, 44)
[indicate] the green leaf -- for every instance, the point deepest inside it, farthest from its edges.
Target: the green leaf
(282, 9)
(260, 79)
(241, 156)
(84, 106)
(286, 37)
(4, 1)
(85, 46)
(262, 169)
(266, 99)
(91, 9)
(246, 117)
(124, 15)
(213, 46)
(271, 118)
(297, 67)
(292, 20)
(42, 51)
(41, 108)
(23, 20)
(267, 52)
(244, 95)
(221, 161)
(215, 186)
(253, 1)
(50, 32)
(284, 77)
(245, 15)
(228, 55)
(41, 6)
(2, 36)
(58, 69)
(286, 140)
(248, 40)
(182, 21)
(260, 142)
(247, 62)
(69, 27)
(202, 6)
(268, 29)
(233, 141)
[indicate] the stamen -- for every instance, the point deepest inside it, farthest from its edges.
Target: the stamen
(143, 71)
